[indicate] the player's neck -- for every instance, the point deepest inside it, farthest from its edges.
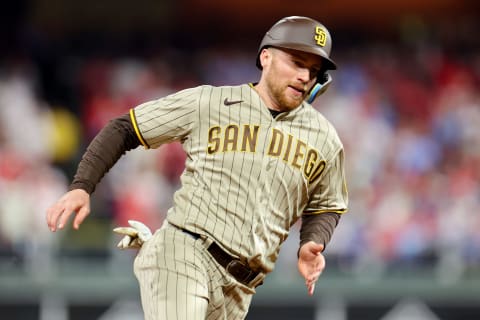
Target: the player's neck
(267, 100)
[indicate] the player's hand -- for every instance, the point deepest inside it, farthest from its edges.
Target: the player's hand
(134, 236)
(75, 201)
(311, 263)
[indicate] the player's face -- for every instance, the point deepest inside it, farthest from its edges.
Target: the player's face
(289, 75)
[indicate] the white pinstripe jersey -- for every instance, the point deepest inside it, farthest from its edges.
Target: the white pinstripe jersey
(248, 176)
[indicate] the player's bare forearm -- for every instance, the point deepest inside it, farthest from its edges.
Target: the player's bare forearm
(311, 263)
(76, 201)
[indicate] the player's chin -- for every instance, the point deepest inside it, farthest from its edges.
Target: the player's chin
(293, 102)
(290, 101)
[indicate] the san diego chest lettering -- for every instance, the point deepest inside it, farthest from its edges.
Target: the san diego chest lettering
(244, 138)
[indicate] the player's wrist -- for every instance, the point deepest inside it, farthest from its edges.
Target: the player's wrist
(83, 185)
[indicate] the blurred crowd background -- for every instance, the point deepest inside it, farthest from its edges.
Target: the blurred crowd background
(405, 100)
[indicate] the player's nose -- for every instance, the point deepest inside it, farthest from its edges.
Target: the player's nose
(304, 75)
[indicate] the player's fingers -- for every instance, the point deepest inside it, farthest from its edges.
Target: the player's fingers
(81, 215)
(49, 217)
(312, 280)
(311, 289)
(314, 276)
(318, 248)
(61, 215)
(309, 281)
(53, 213)
(63, 218)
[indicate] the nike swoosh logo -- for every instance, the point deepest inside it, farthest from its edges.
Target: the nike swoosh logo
(229, 103)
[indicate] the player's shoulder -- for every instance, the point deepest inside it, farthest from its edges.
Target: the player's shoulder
(190, 91)
(218, 94)
(322, 124)
(226, 88)
(213, 89)
(316, 116)
(191, 94)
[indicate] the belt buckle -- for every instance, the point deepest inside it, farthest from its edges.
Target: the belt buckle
(239, 270)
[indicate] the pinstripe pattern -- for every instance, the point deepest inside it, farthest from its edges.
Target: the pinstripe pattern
(248, 178)
(179, 279)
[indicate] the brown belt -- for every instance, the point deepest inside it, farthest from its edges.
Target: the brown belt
(234, 266)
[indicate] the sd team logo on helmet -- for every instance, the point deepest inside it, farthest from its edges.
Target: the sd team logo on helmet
(303, 34)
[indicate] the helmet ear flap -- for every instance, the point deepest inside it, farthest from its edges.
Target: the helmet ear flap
(320, 87)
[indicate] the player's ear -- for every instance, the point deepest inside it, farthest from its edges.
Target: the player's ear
(265, 55)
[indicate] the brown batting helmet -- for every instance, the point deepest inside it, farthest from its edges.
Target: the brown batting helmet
(300, 33)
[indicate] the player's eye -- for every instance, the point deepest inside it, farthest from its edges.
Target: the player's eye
(314, 72)
(298, 63)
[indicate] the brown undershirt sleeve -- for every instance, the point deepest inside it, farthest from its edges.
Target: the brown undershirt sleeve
(117, 137)
(318, 227)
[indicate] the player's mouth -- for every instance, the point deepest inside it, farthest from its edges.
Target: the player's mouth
(297, 90)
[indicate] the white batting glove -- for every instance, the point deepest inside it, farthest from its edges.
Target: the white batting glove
(134, 236)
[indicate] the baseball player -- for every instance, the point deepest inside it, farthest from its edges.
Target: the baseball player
(259, 157)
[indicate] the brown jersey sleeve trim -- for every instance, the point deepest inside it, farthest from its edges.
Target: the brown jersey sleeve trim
(318, 228)
(317, 212)
(137, 131)
(117, 137)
